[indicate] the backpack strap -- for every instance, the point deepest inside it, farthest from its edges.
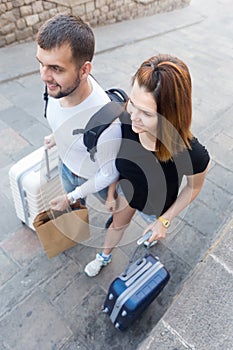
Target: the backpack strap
(97, 124)
(46, 99)
(117, 95)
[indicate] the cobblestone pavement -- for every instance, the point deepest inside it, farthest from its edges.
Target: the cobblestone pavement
(51, 304)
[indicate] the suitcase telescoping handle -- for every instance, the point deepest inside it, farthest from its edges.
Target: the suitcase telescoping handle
(144, 238)
(140, 241)
(48, 172)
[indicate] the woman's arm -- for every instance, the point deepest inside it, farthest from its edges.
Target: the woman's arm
(111, 203)
(186, 196)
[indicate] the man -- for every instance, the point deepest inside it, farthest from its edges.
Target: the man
(65, 51)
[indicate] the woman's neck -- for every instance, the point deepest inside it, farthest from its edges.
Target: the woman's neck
(148, 141)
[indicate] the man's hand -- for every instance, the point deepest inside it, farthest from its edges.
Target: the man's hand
(60, 203)
(49, 141)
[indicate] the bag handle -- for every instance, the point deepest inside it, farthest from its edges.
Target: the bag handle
(76, 206)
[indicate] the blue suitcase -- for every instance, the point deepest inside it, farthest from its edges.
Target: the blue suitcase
(134, 290)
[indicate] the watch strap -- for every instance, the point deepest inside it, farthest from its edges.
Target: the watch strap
(166, 223)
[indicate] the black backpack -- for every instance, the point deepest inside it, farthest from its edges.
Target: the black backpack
(101, 120)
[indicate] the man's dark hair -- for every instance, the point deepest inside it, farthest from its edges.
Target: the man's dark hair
(62, 29)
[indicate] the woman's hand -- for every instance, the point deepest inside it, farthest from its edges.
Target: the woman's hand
(111, 204)
(158, 231)
(60, 203)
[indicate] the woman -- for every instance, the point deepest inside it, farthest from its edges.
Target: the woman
(158, 150)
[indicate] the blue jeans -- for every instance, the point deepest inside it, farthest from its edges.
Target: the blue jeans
(146, 217)
(70, 181)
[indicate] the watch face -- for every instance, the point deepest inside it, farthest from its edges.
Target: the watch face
(165, 222)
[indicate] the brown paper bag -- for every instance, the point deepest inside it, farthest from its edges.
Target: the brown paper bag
(59, 231)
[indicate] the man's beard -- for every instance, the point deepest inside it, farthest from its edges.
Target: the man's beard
(69, 90)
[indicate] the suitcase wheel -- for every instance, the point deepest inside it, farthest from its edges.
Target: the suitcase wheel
(105, 310)
(111, 296)
(117, 325)
(124, 313)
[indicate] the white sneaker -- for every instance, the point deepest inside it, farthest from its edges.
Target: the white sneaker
(93, 268)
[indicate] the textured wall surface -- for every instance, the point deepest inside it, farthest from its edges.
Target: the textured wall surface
(20, 19)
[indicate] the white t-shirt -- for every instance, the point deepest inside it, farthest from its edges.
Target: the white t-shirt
(63, 120)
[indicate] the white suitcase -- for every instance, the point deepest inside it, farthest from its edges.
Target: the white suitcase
(34, 181)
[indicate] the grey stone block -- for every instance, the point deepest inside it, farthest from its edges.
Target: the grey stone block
(96, 328)
(27, 280)
(61, 281)
(23, 153)
(36, 133)
(9, 222)
(162, 338)
(222, 177)
(10, 53)
(75, 344)
(189, 244)
(4, 103)
(223, 252)
(22, 246)
(216, 198)
(35, 324)
(17, 142)
(179, 271)
(202, 314)
(8, 268)
(67, 300)
(17, 119)
(202, 218)
(32, 103)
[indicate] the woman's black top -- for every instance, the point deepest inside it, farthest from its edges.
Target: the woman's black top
(149, 185)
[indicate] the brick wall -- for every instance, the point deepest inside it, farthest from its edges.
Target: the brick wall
(20, 19)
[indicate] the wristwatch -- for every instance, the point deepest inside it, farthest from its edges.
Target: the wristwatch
(166, 223)
(71, 198)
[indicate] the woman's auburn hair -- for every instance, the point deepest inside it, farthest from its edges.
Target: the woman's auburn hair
(169, 81)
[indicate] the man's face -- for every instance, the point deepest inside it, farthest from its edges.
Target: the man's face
(58, 70)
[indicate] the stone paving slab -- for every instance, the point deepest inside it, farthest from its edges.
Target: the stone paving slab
(15, 55)
(118, 36)
(47, 335)
(202, 314)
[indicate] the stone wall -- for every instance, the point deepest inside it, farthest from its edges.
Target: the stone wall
(20, 19)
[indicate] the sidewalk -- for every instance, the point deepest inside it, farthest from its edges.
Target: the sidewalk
(51, 304)
(201, 316)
